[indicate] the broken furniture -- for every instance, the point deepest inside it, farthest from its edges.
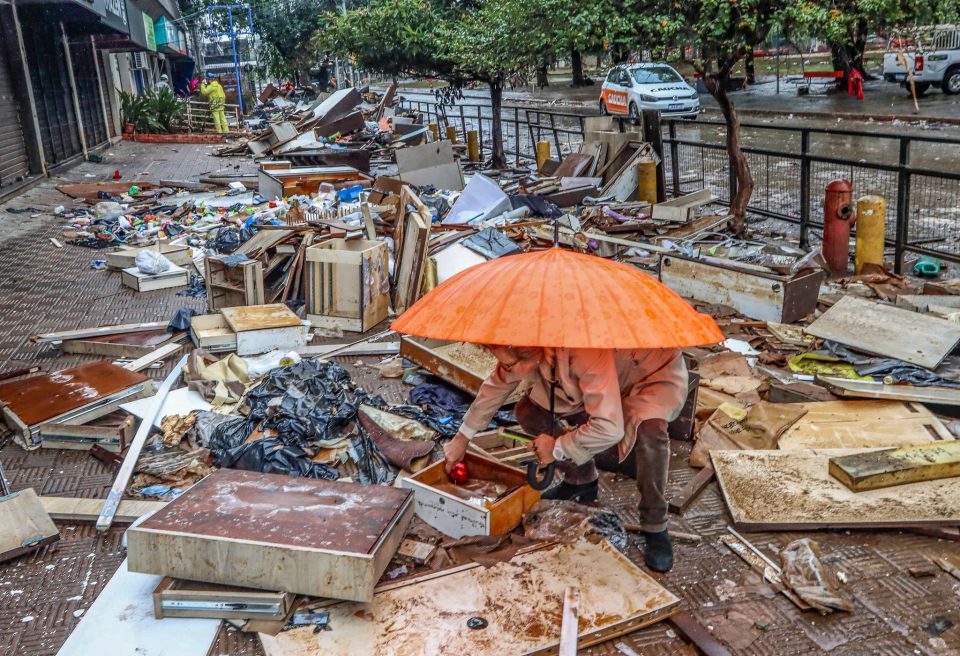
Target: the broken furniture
(232, 285)
(519, 601)
(73, 395)
(176, 598)
(430, 164)
(302, 535)
(125, 257)
(24, 524)
(458, 517)
(682, 209)
(146, 282)
(122, 345)
(112, 437)
(871, 470)
(753, 291)
(348, 284)
(282, 183)
(249, 330)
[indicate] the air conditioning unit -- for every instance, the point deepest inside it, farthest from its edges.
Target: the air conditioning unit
(139, 60)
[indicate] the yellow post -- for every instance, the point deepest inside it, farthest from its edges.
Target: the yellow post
(543, 153)
(435, 131)
(647, 181)
(871, 228)
(473, 145)
(451, 134)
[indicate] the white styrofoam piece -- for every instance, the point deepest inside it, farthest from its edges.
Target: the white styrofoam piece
(456, 258)
(121, 621)
(178, 402)
(481, 199)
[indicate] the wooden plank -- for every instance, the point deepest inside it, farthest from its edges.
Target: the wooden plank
(136, 445)
(121, 621)
(258, 317)
(80, 333)
(865, 389)
(776, 490)
(569, 628)
(161, 353)
(871, 470)
(88, 510)
(690, 491)
(376, 348)
(125, 345)
(688, 627)
(863, 424)
(312, 537)
(24, 525)
(520, 599)
(888, 331)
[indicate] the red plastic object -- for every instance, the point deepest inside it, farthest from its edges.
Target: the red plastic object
(459, 473)
(558, 298)
(838, 219)
(918, 64)
(116, 174)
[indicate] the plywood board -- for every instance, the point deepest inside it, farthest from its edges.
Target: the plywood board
(121, 621)
(126, 345)
(41, 398)
(870, 470)
(24, 525)
(259, 317)
(865, 389)
(863, 424)
(88, 510)
(430, 164)
(521, 599)
(888, 331)
(312, 537)
(774, 490)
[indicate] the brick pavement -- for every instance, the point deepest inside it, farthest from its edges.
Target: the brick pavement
(43, 288)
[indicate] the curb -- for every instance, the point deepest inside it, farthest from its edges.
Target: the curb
(848, 116)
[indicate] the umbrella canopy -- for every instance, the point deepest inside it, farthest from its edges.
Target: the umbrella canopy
(558, 298)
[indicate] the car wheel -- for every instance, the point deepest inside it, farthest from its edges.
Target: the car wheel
(921, 87)
(634, 114)
(603, 109)
(951, 81)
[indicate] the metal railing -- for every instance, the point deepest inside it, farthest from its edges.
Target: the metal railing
(918, 175)
(199, 118)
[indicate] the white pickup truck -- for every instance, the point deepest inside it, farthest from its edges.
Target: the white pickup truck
(933, 55)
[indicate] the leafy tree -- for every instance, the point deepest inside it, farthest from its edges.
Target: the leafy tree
(468, 41)
(287, 29)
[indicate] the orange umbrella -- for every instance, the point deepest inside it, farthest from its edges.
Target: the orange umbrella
(558, 298)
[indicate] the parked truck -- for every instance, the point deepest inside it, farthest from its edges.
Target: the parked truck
(933, 55)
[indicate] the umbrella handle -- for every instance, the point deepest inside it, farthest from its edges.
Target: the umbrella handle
(533, 468)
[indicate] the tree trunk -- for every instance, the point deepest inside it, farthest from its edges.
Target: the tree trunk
(576, 63)
(542, 79)
(717, 86)
(859, 48)
(499, 159)
(751, 69)
(619, 54)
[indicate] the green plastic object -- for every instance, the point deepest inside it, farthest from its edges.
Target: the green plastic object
(134, 190)
(927, 267)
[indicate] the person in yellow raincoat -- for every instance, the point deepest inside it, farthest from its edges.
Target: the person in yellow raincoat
(213, 91)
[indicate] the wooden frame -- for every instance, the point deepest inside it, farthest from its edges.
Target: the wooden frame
(272, 545)
(347, 284)
(456, 517)
(231, 286)
(414, 232)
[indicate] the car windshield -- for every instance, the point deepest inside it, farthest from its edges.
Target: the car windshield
(656, 75)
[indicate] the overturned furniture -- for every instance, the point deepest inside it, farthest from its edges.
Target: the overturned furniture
(348, 284)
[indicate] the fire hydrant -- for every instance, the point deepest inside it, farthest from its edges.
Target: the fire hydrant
(838, 219)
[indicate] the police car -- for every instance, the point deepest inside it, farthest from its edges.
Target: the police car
(630, 89)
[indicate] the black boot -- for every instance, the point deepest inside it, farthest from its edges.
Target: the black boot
(658, 554)
(585, 493)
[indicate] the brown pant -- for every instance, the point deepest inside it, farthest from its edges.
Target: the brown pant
(649, 462)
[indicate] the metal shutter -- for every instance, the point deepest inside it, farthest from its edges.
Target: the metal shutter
(14, 165)
(88, 91)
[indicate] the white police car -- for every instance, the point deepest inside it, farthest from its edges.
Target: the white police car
(632, 88)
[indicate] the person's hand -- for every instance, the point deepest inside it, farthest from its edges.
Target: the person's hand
(454, 451)
(542, 446)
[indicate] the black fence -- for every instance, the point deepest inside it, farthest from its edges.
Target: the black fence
(918, 175)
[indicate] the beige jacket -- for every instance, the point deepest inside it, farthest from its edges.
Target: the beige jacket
(617, 389)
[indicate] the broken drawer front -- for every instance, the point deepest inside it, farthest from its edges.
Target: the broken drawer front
(755, 294)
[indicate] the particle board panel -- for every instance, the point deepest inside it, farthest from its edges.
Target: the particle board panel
(872, 470)
(24, 525)
(258, 317)
(126, 345)
(121, 621)
(776, 490)
(300, 535)
(864, 389)
(42, 398)
(863, 424)
(88, 510)
(522, 601)
(888, 331)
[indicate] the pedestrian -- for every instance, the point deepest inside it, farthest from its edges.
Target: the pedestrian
(610, 407)
(164, 83)
(213, 91)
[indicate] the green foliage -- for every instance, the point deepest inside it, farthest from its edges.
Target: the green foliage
(154, 111)
(287, 30)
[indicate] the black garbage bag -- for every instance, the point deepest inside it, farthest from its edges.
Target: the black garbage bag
(181, 320)
(372, 465)
(195, 289)
(271, 456)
